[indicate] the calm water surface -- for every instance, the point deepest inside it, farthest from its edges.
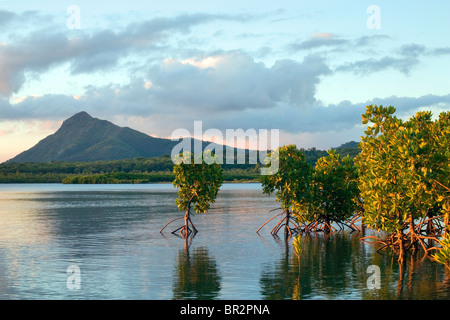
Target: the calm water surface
(111, 233)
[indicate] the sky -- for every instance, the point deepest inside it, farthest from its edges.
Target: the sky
(305, 68)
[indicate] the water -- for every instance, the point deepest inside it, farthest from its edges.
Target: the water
(111, 233)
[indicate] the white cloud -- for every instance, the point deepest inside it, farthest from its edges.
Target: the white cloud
(208, 62)
(148, 85)
(234, 81)
(40, 50)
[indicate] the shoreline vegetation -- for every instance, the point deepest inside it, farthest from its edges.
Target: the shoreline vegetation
(117, 178)
(143, 178)
(130, 171)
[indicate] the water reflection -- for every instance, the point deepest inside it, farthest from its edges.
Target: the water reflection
(196, 276)
(336, 267)
(112, 234)
(282, 281)
(417, 279)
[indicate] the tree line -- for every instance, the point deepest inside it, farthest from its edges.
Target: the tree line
(137, 170)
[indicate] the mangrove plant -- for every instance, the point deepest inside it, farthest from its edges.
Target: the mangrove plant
(198, 182)
(402, 168)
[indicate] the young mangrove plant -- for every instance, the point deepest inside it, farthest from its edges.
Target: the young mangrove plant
(198, 182)
(332, 195)
(290, 183)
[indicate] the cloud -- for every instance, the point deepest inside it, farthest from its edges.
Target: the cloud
(217, 83)
(319, 40)
(322, 35)
(406, 58)
(328, 124)
(441, 51)
(43, 49)
(235, 82)
(416, 50)
(225, 89)
(372, 65)
(6, 131)
(49, 106)
(208, 87)
(6, 17)
(409, 105)
(412, 50)
(331, 41)
(369, 40)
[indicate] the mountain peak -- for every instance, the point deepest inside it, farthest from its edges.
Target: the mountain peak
(77, 120)
(80, 116)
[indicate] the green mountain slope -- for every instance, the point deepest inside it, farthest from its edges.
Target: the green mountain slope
(84, 138)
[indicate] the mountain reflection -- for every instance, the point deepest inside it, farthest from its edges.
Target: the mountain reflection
(196, 276)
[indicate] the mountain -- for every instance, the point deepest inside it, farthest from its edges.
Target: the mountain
(84, 138)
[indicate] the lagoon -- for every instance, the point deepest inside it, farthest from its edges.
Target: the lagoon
(111, 233)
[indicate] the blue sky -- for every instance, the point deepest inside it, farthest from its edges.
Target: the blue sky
(307, 68)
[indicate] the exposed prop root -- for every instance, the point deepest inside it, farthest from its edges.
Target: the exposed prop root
(185, 230)
(284, 222)
(357, 218)
(257, 231)
(324, 226)
(420, 237)
(161, 231)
